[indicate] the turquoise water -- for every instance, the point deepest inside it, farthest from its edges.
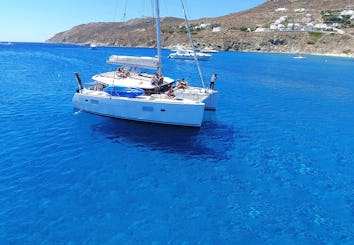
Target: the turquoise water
(273, 164)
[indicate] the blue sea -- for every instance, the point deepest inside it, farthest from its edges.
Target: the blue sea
(274, 164)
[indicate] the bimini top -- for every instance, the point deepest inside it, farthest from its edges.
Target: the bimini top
(134, 61)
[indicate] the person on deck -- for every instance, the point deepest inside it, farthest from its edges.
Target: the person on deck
(184, 84)
(177, 84)
(212, 81)
(170, 93)
(121, 72)
(155, 79)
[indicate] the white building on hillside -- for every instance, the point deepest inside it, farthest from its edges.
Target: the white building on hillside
(216, 29)
(281, 10)
(299, 10)
(203, 26)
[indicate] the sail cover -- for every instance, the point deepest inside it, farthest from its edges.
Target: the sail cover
(134, 61)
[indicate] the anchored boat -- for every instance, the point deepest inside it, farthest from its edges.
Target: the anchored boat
(122, 94)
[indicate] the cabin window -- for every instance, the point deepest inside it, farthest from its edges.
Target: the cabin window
(95, 102)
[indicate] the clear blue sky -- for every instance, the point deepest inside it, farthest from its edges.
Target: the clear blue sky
(39, 20)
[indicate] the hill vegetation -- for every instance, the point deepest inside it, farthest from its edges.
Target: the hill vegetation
(296, 26)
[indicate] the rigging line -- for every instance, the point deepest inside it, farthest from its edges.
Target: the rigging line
(192, 44)
(125, 11)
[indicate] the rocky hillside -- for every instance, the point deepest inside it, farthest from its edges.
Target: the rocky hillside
(297, 26)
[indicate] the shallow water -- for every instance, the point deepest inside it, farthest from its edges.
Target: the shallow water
(273, 164)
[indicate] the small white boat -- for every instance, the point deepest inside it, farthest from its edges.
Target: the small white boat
(299, 57)
(209, 50)
(93, 46)
(188, 55)
(6, 43)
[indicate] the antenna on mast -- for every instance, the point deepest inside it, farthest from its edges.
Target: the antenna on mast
(158, 35)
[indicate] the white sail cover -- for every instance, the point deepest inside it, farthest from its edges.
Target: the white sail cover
(134, 61)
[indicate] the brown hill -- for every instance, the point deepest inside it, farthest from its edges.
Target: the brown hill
(301, 26)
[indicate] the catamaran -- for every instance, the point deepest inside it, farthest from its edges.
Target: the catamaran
(132, 76)
(130, 101)
(133, 64)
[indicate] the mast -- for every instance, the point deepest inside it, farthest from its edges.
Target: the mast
(158, 36)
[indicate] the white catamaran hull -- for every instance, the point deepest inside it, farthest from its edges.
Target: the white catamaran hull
(142, 108)
(208, 96)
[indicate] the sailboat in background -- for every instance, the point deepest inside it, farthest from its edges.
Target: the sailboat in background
(119, 96)
(93, 46)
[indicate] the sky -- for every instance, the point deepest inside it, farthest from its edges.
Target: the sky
(39, 20)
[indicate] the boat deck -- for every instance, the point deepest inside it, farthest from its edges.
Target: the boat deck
(158, 98)
(138, 80)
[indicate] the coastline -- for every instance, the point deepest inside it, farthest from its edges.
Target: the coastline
(336, 55)
(350, 56)
(288, 52)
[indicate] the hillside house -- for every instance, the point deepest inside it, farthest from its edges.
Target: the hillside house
(216, 29)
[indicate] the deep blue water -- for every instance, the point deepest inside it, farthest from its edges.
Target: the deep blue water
(273, 165)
